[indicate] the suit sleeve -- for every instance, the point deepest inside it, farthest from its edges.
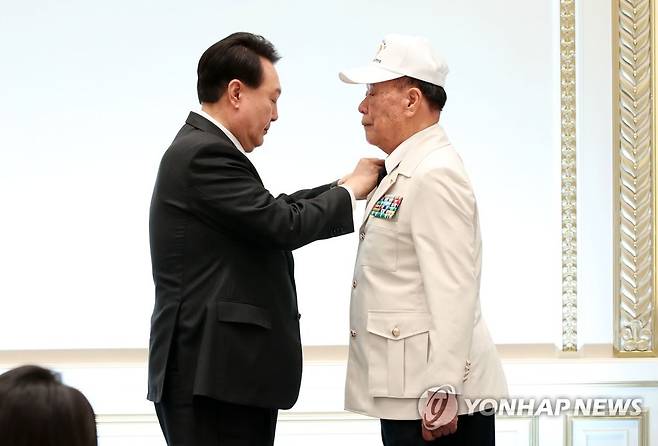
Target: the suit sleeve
(225, 192)
(443, 233)
(305, 194)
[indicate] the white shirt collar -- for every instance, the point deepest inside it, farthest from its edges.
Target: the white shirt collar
(397, 155)
(230, 135)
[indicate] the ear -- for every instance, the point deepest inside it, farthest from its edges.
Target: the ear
(234, 91)
(413, 100)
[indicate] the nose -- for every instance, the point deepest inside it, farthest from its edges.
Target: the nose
(363, 108)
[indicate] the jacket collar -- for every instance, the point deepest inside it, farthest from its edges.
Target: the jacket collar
(199, 122)
(416, 148)
(420, 145)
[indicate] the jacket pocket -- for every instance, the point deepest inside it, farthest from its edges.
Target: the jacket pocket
(397, 353)
(242, 313)
(379, 248)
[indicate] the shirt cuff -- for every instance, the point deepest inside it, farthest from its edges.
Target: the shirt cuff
(349, 189)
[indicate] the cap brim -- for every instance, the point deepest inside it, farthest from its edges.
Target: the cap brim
(370, 74)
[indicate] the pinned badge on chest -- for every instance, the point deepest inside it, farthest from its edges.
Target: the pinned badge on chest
(386, 207)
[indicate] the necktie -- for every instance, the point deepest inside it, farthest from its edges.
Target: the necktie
(382, 174)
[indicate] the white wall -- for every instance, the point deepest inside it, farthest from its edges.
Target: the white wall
(93, 93)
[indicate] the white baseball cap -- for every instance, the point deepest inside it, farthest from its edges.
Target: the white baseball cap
(400, 56)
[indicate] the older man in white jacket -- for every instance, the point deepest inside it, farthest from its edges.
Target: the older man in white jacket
(415, 309)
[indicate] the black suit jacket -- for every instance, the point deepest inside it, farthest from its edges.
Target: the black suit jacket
(225, 313)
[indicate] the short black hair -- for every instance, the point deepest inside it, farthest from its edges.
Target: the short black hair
(37, 409)
(234, 57)
(435, 94)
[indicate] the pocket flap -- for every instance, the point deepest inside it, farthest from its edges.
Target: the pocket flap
(398, 325)
(243, 313)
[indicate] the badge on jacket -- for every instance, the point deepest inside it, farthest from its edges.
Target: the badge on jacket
(386, 207)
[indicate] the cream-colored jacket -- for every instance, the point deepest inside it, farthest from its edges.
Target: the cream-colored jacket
(415, 307)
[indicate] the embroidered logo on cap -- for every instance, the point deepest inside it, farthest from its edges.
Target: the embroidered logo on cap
(382, 47)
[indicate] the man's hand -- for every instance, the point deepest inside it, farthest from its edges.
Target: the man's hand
(364, 177)
(446, 429)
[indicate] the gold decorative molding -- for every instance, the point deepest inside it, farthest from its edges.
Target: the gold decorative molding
(568, 174)
(633, 179)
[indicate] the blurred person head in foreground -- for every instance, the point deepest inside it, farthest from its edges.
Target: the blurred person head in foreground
(37, 409)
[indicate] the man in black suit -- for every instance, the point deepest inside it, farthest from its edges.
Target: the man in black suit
(225, 350)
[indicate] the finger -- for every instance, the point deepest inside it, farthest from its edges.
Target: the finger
(452, 428)
(448, 429)
(427, 435)
(433, 434)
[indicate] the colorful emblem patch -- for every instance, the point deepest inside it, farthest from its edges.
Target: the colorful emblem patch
(386, 207)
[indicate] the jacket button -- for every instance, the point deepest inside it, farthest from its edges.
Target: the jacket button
(299, 316)
(362, 236)
(353, 333)
(395, 332)
(354, 283)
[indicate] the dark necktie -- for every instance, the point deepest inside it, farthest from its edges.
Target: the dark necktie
(382, 174)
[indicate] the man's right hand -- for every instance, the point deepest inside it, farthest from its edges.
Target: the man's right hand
(447, 429)
(364, 177)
